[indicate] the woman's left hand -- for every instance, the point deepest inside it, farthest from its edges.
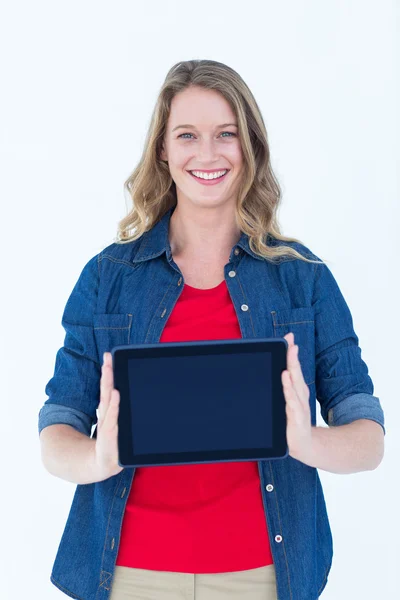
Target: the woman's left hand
(298, 414)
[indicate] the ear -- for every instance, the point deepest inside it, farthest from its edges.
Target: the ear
(163, 154)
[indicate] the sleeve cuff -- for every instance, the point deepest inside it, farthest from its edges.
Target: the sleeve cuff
(356, 406)
(52, 413)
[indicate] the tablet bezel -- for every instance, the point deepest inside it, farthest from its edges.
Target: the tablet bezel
(277, 347)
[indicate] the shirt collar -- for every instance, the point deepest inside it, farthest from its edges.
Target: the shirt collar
(155, 241)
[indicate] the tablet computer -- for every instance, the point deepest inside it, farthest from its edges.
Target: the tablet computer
(200, 401)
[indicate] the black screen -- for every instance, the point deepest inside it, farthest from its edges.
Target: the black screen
(216, 401)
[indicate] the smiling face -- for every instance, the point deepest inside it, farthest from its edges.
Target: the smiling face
(207, 144)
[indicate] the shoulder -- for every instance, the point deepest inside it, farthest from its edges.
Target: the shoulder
(120, 252)
(293, 261)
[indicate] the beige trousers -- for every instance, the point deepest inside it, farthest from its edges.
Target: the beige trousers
(144, 584)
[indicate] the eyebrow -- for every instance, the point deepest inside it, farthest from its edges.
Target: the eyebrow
(186, 126)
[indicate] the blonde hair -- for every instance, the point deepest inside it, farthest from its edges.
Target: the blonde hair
(153, 191)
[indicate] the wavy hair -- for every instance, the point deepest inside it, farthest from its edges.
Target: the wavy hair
(152, 190)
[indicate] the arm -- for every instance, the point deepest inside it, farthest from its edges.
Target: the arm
(342, 448)
(66, 418)
(69, 454)
(354, 439)
(357, 446)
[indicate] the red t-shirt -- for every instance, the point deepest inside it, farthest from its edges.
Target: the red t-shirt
(200, 518)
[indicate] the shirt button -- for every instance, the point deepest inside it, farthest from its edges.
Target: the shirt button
(278, 538)
(270, 487)
(232, 273)
(244, 307)
(237, 251)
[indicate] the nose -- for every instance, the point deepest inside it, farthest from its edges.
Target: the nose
(207, 151)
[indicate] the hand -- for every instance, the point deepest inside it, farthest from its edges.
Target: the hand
(298, 414)
(106, 449)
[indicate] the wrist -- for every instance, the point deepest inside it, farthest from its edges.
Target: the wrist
(309, 449)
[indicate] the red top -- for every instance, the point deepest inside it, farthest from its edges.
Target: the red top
(199, 518)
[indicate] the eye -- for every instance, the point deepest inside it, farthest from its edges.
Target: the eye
(228, 132)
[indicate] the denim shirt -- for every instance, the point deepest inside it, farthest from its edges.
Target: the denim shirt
(125, 295)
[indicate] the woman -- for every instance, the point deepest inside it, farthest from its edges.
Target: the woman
(206, 260)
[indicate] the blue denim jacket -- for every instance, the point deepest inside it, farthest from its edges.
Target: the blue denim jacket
(124, 295)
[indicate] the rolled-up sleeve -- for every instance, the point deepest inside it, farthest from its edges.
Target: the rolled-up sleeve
(74, 389)
(344, 388)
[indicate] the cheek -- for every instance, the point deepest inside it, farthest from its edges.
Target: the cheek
(181, 156)
(235, 155)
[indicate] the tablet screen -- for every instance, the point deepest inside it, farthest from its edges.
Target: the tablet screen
(200, 401)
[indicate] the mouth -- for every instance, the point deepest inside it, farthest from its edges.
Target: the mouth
(211, 180)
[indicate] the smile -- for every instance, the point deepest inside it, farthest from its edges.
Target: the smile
(209, 178)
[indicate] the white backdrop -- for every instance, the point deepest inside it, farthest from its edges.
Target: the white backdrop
(79, 82)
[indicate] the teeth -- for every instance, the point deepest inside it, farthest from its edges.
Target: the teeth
(202, 175)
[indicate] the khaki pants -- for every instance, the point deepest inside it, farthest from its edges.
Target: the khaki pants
(144, 584)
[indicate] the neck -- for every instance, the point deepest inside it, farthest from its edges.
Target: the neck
(205, 233)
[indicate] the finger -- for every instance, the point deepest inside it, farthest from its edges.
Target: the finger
(289, 337)
(289, 392)
(109, 357)
(111, 420)
(298, 382)
(105, 389)
(108, 363)
(294, 366)
(294, 408)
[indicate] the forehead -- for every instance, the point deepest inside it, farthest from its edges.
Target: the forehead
(200, 107)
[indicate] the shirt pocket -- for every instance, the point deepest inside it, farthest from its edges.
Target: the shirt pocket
(299, 321)
(110, 330)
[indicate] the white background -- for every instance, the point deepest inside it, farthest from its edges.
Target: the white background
(79, 81)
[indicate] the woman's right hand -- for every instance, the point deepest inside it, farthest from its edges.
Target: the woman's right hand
(106, 448)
